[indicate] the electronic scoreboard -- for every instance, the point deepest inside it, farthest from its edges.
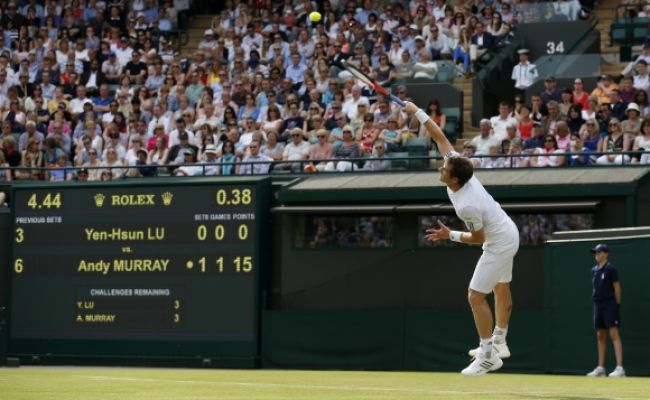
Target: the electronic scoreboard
(138, 268)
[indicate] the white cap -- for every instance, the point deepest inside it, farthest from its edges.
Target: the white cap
(208, 32)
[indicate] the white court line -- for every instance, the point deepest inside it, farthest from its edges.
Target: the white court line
(344, 388)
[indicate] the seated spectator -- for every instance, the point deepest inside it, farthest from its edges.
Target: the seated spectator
(5, 174)
(500, 122)
(385, 71)
(627, 91)
(484, 139)
(391, 136)
(641, 80)
(562, 135)
(574, 118)
(188, 166)
(525, 122)
(31, 160)
(227, 162)
(255, 163)
(349, 149)
(642, 144)
(550, 121)
(590, 134)
(30, 133)
(578, 155)
(591, 110)
(551, 92)
(404, 67)
(367, 134)
(425, 67)
(537, 138)
(295, 150)
(480, 42)
(616, 105)
(615, 142)
(604, 88)
(322, 150)
(143, 169)
(159, 153)
(517, 156)
(549, 155)
(111, 162)
(580, 96)
(61, 171)
(272, 148)
(494, 158)
(378, 160)
(632, 125)
(566, 101)
(461, 52)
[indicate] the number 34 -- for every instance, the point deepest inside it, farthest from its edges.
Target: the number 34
(554, 47)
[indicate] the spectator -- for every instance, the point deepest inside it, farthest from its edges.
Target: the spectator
(632, 125)
(566, 101)
(627, 91)
(481, 42)
(227, 162)
(112, 163)
(349, 149)
(295, 150)
(500, 122)
(255, 163)
(425, 67)
(550, 121)
(616, 105)
(31, 160)
(378, 160)
(551, 91)
(537, 138)
(580, 96)
(525, 122)
(574, 118)
(461, 53)
(562, 136)
(604, 89)
(484, 140)
(549, 155)
(525, 73)
(642, 77)
(613, 144)
(642, 144)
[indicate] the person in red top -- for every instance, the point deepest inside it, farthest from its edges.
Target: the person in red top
(525, 123)
(580, 96)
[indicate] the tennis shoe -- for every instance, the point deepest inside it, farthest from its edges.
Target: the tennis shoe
(482, 365)
(598, 371)
(500, 349)
(619, 372)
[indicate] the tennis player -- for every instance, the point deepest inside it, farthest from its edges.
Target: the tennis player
(488, 225)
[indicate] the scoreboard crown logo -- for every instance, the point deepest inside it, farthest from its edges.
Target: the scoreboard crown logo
(99, 200)
(167, 198)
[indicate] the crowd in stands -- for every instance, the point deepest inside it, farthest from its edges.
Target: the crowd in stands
(606, 124)
(99, 90)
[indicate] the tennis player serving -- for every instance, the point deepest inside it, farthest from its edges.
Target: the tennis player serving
(488, 225)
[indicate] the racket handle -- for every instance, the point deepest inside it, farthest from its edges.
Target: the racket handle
(396, 100)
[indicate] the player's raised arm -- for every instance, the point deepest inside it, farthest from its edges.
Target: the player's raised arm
(434, 130)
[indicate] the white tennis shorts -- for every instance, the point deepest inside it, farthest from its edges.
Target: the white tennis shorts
(492, 268)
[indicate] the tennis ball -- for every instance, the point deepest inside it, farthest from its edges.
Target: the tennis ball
(314, 16)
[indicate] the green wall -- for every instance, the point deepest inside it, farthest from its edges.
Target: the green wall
(570, 336)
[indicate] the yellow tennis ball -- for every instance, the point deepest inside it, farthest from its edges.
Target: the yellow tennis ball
(314, 16)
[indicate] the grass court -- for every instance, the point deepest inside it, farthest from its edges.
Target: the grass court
(85, 383)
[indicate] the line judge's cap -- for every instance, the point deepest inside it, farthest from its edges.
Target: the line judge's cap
(600, 247)
(523, 51)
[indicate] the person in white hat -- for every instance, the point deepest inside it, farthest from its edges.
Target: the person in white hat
(209, 42)
(632, 125)
(525, 73)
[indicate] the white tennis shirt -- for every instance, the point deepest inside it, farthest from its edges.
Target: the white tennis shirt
(478, 210)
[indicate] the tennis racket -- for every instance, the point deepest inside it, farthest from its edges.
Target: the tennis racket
(358, 74)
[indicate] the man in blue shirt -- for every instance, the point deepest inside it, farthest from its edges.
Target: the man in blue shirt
(607, 300)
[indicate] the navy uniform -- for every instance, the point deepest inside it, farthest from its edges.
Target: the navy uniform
(606, 313)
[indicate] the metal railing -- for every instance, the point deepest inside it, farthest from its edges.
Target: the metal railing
(391, 164)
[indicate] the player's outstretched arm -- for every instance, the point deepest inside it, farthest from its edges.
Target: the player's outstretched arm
(444, 233)
(434, 130)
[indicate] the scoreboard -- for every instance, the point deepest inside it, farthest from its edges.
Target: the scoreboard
(137, 268)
